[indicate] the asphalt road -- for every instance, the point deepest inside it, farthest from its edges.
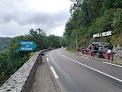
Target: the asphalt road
(75, 73)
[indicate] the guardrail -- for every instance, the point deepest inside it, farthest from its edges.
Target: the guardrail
(22, 80)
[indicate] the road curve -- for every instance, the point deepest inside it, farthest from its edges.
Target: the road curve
(82, 74)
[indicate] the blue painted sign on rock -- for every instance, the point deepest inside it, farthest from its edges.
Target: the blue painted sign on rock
(26, 46)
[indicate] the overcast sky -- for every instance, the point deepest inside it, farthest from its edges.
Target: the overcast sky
(17, 17)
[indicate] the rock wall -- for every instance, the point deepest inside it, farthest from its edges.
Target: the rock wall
(118, 51)
(22, 80)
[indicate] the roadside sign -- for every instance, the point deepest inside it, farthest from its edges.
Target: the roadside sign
(26, 46)
(108, 33)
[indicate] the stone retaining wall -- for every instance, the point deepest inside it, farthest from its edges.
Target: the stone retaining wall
(22, 80)
(118, 51)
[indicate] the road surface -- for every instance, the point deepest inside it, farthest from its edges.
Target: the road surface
(75, 73)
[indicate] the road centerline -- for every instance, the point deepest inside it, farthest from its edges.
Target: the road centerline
(91, 68)
(47, 59)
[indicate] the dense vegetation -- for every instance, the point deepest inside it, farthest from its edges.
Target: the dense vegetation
(11, 60)
(94, 16)
(91, 16)
(4, 43)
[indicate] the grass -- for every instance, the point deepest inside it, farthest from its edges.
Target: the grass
(71, 50)
(31, 54)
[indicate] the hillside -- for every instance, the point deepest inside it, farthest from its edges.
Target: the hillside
(11, 60)
(4, 43)
(94, 16)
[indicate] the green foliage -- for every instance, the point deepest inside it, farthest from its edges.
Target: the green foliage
(11, 60)
(117, 20)
(3, 66)
(107, 4)
(94, 16)
(39, 38)
(103, 23)
(116, 40)
(31, 54)
(4, 43)
(52, 39)
(118, 3)
(71, 50)
(42, 41)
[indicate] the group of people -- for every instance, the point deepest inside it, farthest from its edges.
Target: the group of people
(100, 48)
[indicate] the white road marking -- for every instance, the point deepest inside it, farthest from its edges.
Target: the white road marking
(91, 68)
(47, 59)
(54, 72)
(46, 55)
(84, 57)
(112, 64)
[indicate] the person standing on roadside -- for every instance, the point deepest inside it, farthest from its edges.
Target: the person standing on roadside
(100, 52)
(90, 47)
(40, 57)
(111, 47)
(103, 46)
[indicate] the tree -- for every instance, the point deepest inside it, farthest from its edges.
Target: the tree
(93, 16)
(11, 60)
(117, 20)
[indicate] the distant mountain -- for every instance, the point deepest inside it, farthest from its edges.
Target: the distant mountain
(4, 43)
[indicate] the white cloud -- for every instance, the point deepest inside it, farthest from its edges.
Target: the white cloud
(48, 5)
(17, 17)
(58, 31)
